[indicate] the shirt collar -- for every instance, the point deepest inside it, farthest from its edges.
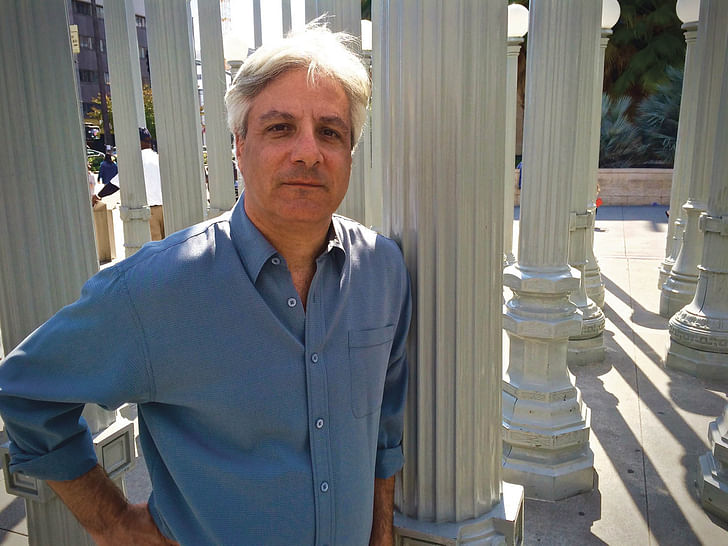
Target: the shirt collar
(255, 250)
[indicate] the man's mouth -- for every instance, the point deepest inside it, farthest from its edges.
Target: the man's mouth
(303, 183)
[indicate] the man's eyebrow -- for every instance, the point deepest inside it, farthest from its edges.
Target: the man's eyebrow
(334, 120)
(275, 114)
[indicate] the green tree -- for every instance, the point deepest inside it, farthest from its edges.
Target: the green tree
(646, 41)
(366, 9)
(620, 141)
(657, 119)
(94, 115)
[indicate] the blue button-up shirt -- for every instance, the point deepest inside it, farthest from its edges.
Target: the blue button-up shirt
(260, 423)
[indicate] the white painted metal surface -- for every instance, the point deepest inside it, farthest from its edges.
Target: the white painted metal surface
(439, 72)
(683, 153)
(587, 346)
(218, 138)
(699, 331)
(176, 112)
(47, 247)
(679, 288)
(512, 50)
(126, 94)
(592, 273)
(545, 422)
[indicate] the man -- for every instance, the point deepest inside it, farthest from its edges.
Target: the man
(265, 348)
(152, 184)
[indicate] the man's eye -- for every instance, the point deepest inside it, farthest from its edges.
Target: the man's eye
(278, 128)
(330, 133)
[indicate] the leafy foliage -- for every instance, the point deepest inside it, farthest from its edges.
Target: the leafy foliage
(620, 141)
(94, 115)
(366, 9)
(657, 119)
(646, 41)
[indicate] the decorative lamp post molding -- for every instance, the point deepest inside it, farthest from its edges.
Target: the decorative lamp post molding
(688, 12)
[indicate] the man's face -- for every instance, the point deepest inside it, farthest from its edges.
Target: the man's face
(296, 155)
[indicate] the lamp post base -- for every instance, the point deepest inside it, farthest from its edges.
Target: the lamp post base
(502, 525)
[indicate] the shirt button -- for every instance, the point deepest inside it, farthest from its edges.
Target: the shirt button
(291, 302)
(324, 486)
(275, 260)
(314, 358)
(319, 423)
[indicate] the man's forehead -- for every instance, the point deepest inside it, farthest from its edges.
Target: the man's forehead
(284, 97)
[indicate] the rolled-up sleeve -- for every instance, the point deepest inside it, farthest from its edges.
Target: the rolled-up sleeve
(91, 351)
(391, 422)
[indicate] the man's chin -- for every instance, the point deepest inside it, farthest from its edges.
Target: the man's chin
(306, 214)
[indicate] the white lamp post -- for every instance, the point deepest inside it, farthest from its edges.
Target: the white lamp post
(592, 276)
(588, 345)
(545, 421)
(679, 288)
(517, 28)
(688, 12)
(236, 51)
(219, 163)
(699, 331)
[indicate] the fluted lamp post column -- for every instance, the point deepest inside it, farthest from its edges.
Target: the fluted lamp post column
(545, 422)
(705, 320)
(46, 252)
(439, 109)
(517, 29)
(688, 11)
(679, 288)
(371, 188)
(699, 331)
(592, 274)
(176, 113)
(219, 156)
(588, 345)
(126, 93)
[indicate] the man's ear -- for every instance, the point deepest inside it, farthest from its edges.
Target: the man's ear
(239, 143)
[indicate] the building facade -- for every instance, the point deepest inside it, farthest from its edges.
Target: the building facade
(91, 67)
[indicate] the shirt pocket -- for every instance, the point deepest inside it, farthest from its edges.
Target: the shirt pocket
(369, 352)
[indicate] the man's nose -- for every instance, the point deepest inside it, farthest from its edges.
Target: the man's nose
(306, 148)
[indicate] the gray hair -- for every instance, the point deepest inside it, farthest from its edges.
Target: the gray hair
(322, 53)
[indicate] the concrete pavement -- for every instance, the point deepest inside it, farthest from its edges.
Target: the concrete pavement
(649, 424)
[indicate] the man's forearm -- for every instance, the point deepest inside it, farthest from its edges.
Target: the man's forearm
(93, 499)
(382, 528)
(100, 507)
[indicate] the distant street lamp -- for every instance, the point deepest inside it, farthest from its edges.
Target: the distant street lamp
(610, 13)
(517, 21)
(517, 28)
(688, 10)
(236, 51)
(366, 35)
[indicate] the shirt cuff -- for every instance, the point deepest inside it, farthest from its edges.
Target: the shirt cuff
(71, 460)
(389, 461)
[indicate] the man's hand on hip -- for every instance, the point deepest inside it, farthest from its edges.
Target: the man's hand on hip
(134, 527)
(100, 507)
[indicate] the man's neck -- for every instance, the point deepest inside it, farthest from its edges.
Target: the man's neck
(299, 246)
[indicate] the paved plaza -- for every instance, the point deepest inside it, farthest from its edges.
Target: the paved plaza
(648, 424)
